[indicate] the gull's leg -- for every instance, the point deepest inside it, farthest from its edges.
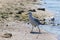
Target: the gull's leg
(32, 29)
(39, 29)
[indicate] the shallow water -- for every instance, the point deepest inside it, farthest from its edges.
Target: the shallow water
(53, 6)
(51, 29)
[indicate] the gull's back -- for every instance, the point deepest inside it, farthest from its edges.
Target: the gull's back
(33, 21)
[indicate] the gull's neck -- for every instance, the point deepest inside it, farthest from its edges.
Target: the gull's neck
(30, 16)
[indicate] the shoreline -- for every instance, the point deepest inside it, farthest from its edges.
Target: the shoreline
(21, 31)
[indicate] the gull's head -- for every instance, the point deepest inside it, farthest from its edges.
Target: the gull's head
(29, 13)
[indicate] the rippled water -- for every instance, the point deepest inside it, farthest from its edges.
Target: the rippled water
(54, 6)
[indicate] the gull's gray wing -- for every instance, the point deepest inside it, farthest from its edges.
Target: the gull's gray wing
(37, 21)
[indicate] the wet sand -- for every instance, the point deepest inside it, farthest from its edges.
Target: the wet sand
(21, 31)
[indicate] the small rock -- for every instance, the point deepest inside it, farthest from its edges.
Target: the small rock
(32, 10)
(58, 24)
(7, 25)
(27, 23)
(10, 13)
(43, 9)
(20, 12)
(7, 35)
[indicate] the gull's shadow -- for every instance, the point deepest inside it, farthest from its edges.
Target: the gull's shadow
(35, 33)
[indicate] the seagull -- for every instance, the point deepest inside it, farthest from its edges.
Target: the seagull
(34, 21)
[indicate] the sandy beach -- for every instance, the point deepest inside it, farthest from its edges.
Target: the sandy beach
(21, 31)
